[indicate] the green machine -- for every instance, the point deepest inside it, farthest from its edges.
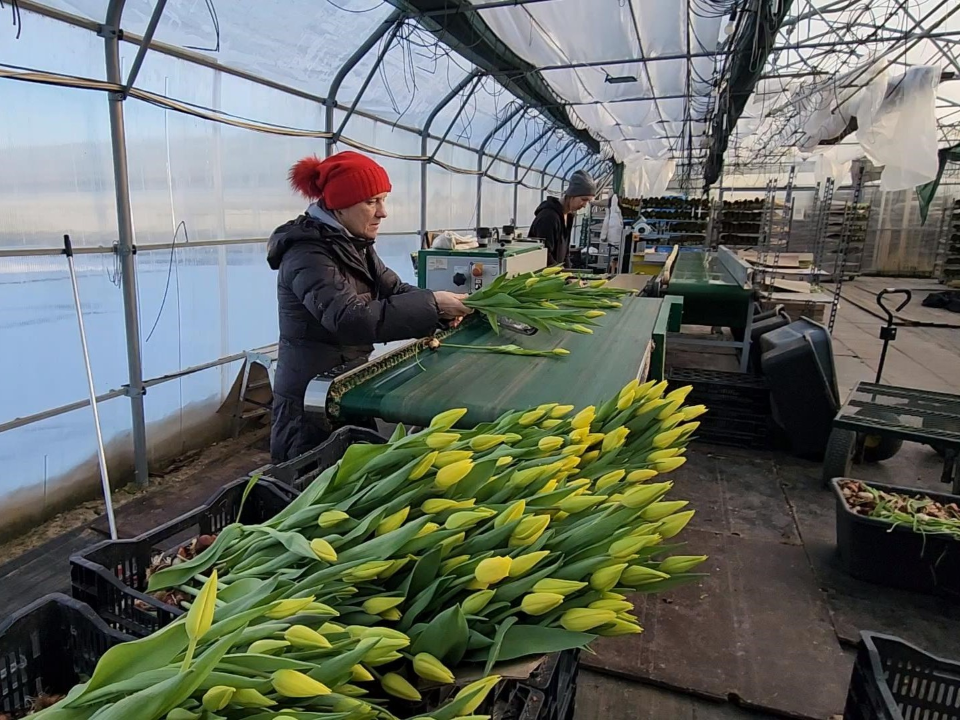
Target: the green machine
(717, 291)
(468, 270)
(412, 383)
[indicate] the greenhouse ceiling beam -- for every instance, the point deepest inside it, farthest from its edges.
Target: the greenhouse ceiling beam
(533, 142)
(477, 79)
(144, 45)
(538, 154)
(506, 139)
(389, 28)
(493, 4)
(457, 89)
(483, 147)
(110, 32)
(467, 34)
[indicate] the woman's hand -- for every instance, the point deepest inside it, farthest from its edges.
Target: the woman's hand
(451, 306)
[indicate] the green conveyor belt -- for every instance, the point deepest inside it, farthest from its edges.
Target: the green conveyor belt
(710, 295)
(489, 384)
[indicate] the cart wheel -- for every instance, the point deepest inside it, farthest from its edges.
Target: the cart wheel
(877, 448)
(936, 423)
(838, 459)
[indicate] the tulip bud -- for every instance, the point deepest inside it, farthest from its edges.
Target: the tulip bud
(547, 272)
(692, 412)
(423, 467)
(656, 391)
(637, 575)
(660, 510)
(560, 351)
(447, 419)
(629, 545)
(477, 692)
(658, 455)
(286, 608)
(295, 684)
(669, 409)
(640, 496)
(611, 478)
(594, 314)
(581, 329)
(331, 517)
(349, 690)
(358, 673)
(579, 503)
(453, 562)
(607, 578)
(529, 530)
(427, 529)
(217, 697)
(392, 615)
(398, 565)
(266, 647)
(323, 550)
(522, 564)
(584, 418)
(449, 457)
(561, 411)
(378, 605)
(573, 450)
(597, 283)
(504, 461)
(579, 434)
(540, 603)
(475, 602)
(614, 439)
(440, 440)
(397, 685)
(624, 400)
(550, 443)
(514, 512)
(639, 476)
(366, 571)
(559, 587)
(669, 464)
(452, 542)
(679, 394)
(585, 619)
(482, 443)
(615, 605)
(493, 570)
(512, 438)
(301, 636)
(385, 658)
(467, 518)
(672, 525)
(452, 474)
(579, 483)
(439, 505)
(688, 429)
(620, 627)
(531, 417)
(666, 439)
(681, 563)
(590, 456)
(550, 424)
(200, 616)
(248, 697)
(530, 282)
(429, 668)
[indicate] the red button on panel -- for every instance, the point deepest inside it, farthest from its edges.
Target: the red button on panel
(478, 270)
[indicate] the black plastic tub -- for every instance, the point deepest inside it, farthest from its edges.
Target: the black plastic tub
(896, 555)
(46, 648)
(296, 474)
(111, 576)
(894, 680)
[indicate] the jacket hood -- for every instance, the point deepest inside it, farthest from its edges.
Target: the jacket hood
(551, 203)
(307, 228)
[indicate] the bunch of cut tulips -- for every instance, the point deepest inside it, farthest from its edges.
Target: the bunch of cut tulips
(513, 538)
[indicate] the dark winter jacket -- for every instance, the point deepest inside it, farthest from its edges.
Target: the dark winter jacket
(550, 226)
(335, 298)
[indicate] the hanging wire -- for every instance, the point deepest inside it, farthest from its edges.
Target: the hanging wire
(15, 12)
(166, 287)
(356, 12)
(212, 11)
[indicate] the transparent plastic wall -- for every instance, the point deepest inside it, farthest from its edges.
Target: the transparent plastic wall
(452, 197)
(496, 207)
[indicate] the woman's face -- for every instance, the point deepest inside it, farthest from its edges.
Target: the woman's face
(363, 219)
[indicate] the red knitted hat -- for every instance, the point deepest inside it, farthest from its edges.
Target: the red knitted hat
(340, 180)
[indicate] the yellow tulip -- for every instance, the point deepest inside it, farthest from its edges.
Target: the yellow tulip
(615, 605)
(637, 575)
(688, 429)
(560, 587)
(674, 524)
(303, 637)
(447, 565)
(540, 603)
(594, 314)
(680, 393)
(579, 434)
(248, 697)
(579, 503)
(393, 522)
(660, 510)
(547, 272)
(397, 565)
(391, 615)
(447, 419)
(611, 478)
(669, 464)
(281, 609)
(625, 547)
(531, 417)
(661, 455)
(424, 466)
(429, 668)
(666, 439)
(475, 602)
(590, 456)
(504, 461)
(640, 496)
(625, 400)
(561, 411)
(349, 690)
(477, 692)
(550, 443)
(620, 627)
(550, 424)
(378, 605)
(514, 512)
(681, 563)
(639, 476)
(614, 439)
(217, 697)
(607, 578)
(656, 391)
(449, 457)
(669, 409)
(398, 686)
(573, 450)
(427, 529)
(467, 518)
(366, 571)
(692, 412)
(452, 474)
(584, 418)
(266, 647)
(439, 505)
(441, 440)
(295, 684)
(522, 564)
(529, 530)
(200, 616)
(358, 673)
(331, 517)
(585, 619)
(493, 570)
(512, 438)
(482, 443)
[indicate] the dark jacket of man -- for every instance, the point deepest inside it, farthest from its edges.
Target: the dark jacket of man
(550, 227)
(335, 298)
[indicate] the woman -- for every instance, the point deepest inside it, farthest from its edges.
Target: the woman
(335, 296)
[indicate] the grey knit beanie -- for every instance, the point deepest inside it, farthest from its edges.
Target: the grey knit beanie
(581, 185)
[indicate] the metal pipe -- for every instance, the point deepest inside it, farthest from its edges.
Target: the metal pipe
(506, 139)
(454, 91)
(101, 454)
(453, 120)
(144, 45)
(125, 247)
(423, 189)
(516, 191)
(393, 20)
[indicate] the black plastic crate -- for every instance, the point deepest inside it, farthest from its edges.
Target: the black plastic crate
(111, 576)
(895, 555)
(721, 383)
(46, 648)
(296, 474)
(894, 680)
(547, 694)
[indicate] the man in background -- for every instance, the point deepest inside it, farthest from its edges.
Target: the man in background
(553, 220)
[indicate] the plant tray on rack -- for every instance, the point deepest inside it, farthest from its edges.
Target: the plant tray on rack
(45, 649)
(882, 552)
(112, 575)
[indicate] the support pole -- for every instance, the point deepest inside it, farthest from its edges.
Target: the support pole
(125, 247)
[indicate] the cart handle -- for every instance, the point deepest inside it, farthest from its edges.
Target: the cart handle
(893, 291)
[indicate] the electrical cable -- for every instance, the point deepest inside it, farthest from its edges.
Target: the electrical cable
(166, 287)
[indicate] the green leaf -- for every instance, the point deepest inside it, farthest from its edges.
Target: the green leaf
(525, 640)
(420, 604)
(424, 573)
(477, 477)
(399, 432)
(240, 589)
(386, 545)
(332, 670)
(137, 656)
(254, 479)
(446, 637)
(355, 458)
(478, 641)
(292, 541)
(180, 573)
(264, 663)
(510, 591)
(498, 643)
(308, 497)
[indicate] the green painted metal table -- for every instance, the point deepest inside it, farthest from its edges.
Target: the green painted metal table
(487, 384)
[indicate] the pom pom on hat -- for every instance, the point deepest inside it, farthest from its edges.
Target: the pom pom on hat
(340, 180)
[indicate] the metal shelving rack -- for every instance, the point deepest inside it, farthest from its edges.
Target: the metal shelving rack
(949, 272)
(851, 234)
